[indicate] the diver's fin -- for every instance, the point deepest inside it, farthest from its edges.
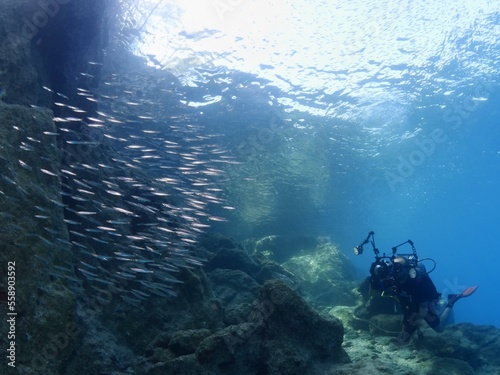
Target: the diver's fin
(452, 298)
(469, 291)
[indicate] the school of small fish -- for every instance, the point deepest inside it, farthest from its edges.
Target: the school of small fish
(137, 184)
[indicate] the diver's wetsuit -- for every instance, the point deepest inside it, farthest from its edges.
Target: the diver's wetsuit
(413, 295)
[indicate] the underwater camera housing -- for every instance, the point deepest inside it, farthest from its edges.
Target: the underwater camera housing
(393, 266)
(380, 268)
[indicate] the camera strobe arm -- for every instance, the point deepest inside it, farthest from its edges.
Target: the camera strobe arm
(410, 242)
(358, 250)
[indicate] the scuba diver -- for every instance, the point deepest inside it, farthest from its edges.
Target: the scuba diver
(405, 278)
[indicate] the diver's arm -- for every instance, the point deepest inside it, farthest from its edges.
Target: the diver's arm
(375, 283)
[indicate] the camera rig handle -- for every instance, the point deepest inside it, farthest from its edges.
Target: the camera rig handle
(410, 242)
(358, 250)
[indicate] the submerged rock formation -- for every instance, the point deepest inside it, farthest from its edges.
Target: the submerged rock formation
(278, 334)
(34, 238)
(34, 241)
(324, 274)
(268, 329)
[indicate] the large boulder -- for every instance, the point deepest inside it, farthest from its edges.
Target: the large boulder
(278, 334)
(327, 277)
(281, 248)
(235, 275)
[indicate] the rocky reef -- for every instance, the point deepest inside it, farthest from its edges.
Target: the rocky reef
(237, 315)
(249, 315)
(261, 323)
(461, 349)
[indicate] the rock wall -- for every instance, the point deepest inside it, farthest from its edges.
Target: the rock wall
(50, 43)
(34, 239)
(19, 76)
(35, 37)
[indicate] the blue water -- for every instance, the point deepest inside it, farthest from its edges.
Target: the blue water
(447, 202)
(348, 118)
(435, 185)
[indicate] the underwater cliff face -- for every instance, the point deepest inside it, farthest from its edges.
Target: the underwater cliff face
(19, 76)
(34, 238)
